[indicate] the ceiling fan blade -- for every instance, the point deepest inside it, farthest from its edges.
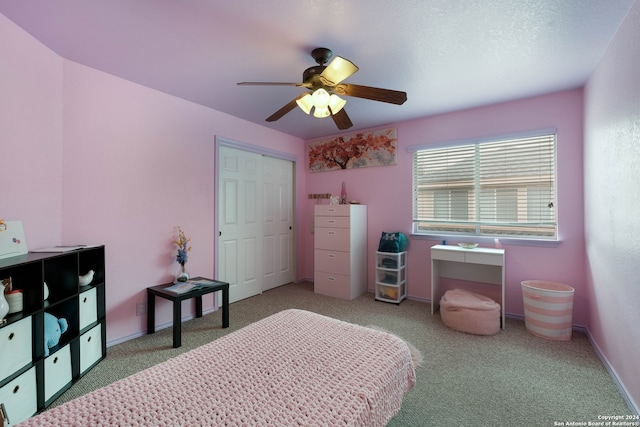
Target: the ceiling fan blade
(284, 110)
(373, 93)
(271, 84)
(342, 120)
(337, 70)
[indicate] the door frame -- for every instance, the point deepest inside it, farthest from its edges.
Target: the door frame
(243, 146)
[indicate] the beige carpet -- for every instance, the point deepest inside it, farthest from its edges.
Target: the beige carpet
(508, 379)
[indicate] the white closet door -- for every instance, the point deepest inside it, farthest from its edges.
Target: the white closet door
(239, 222)
(277, 222)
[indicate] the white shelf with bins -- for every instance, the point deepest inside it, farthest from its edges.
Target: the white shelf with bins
(391, 276)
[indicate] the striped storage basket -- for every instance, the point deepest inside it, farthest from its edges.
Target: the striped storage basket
(548, 308)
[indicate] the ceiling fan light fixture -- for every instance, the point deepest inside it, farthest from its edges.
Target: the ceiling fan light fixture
(305, 103)
(336, 103)
(338, 70)
(320, 98)
(321, 112)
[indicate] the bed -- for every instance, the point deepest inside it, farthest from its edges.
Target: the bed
(294, 368)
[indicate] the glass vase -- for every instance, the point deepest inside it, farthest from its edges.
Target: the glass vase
(183, 276)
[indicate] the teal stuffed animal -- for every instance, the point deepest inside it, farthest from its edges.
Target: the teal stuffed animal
(53, 329)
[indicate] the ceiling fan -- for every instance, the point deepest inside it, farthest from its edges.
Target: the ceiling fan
(325, 84)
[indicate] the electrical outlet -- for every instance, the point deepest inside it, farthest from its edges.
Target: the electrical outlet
(140, 309)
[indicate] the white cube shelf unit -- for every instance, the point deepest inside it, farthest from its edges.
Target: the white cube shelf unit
(391, 276)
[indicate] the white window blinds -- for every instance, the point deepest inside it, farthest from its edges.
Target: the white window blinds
(495, 188)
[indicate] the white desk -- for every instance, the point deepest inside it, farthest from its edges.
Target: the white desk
(483, 265)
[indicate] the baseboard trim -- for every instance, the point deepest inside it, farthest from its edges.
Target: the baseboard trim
(614, 375)
(158, 328)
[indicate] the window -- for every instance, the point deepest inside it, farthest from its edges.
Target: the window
(500, 188)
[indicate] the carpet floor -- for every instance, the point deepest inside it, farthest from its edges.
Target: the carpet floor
(509, 379)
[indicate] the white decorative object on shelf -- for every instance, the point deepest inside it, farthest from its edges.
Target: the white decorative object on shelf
(468, 245)
(4, 305)
(86, 279)
(46, 291)
(14, 298)
(12, 241)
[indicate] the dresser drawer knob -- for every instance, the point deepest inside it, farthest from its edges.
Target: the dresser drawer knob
(85, 299)
(331, 278)
(89, 339)
(15, 389)
(55, 360)
(331, 255)
(11, 335)
(331, 233)
(331, 221)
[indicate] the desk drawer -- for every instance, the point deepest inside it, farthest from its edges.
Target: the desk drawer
(447, 255)
(480, 258)
(15, 342)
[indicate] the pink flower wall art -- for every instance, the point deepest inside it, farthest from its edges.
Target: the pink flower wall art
(360, 150)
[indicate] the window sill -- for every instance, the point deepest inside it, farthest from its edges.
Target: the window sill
(482, 240)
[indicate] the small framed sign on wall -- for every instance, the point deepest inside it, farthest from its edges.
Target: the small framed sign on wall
(358, 150)
(12, 241)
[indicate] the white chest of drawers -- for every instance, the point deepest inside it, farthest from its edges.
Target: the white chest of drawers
(340, 250)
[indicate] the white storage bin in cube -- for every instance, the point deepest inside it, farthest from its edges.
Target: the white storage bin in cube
(15, 342)
(90, 348)
(20, 397)
(88, 308)
(57, 371)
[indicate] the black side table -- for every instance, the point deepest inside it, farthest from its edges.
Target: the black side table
(159, 291)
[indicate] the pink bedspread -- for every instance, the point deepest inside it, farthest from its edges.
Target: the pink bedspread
(294, 368)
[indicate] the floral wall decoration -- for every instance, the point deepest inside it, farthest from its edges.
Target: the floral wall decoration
(377, 148)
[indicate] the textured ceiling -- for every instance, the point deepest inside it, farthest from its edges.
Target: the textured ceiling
(447, 55)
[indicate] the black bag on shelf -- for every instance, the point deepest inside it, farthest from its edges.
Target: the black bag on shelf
(393, 242)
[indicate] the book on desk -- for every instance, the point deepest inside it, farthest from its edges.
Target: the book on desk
(189, 285)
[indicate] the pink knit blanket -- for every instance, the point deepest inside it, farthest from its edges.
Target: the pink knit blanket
(294, 368)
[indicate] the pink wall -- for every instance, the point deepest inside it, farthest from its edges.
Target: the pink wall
(612, 203)
(387, 192)
(136, 163)
(90, 158)
(100, 160)
(30, 135)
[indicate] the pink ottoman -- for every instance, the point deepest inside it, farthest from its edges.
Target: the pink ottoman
(469, 312)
